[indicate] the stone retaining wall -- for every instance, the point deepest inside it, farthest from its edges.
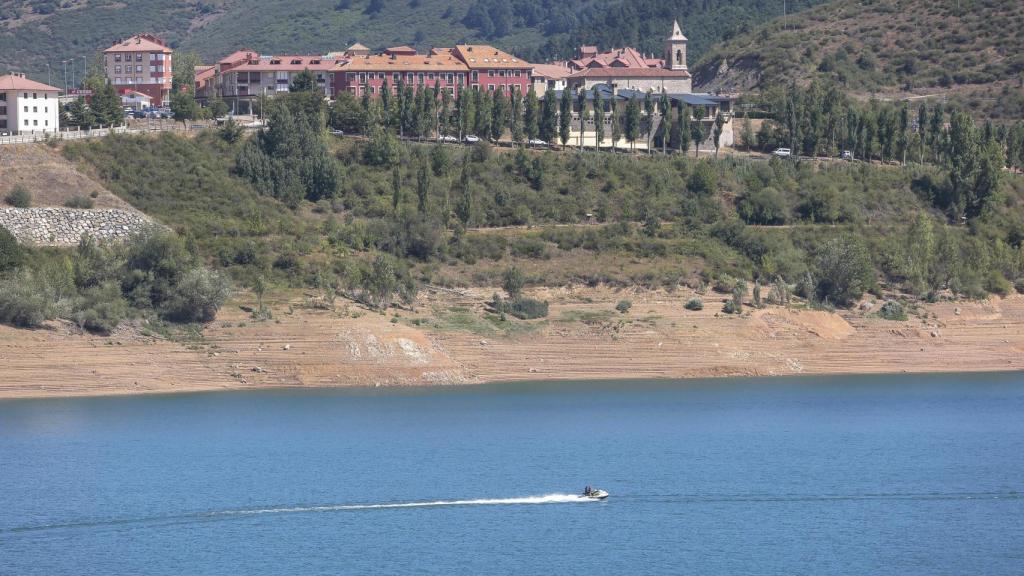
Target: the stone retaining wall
(65, 226)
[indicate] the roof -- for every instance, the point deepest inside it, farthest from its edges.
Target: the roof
(140, 43)
(677, 32)
(401, 50)
(484, 56)
(14, 82)
(630, 73)
(205, 73)
(619, 57)
(288, 64)
(238, 56)
(553, 71)
(418, 63)
(136, 94)
(358, 47)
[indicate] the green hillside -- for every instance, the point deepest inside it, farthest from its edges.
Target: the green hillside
(971, 51)
(36, 32)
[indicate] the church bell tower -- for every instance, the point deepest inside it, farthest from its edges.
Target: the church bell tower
(675, 49)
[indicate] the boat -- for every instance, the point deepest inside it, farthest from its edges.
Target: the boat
(594, 493)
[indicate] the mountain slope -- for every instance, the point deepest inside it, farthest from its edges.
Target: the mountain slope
(880, 46)
(36, 32)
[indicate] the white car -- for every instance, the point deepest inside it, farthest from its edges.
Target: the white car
(448, 139)
(472, 139)
(537, 142)
(783, 152)
(337, 132)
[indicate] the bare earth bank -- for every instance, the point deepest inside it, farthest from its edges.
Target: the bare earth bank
(448, 339)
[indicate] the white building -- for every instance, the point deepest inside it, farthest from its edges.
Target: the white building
(27, 106)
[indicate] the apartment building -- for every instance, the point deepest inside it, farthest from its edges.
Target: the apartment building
(141, 63)
(494, 70)
(244, 77)
(27, 106)
(368, 73)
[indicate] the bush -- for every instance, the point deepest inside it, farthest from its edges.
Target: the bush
(765, 206)
(197, 297)
(24, 302)
(844, 271)
(731, 307)
(78, 202)
(1018, 285)
(522, 308)
(996, 283)
(11, 254)
(100, 309)
(892, 310)
(19, 197)
(623, 306)
(694, 304)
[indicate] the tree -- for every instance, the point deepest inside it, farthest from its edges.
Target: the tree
(512, 282)
(963, 156)
(396, 187)
(548, 129)
(304, 81)
(615, 122)
(217, 107)
(499, 115)
(581, 107)
(598, 118)
(515, 117)
(466, 111)
(664, 108)
(422, 187)
(697, 135)
(184, 72)
(531, 114)
(565, 117)
(922, 123)
(717, 131)
(647, 126)
(935, 129)
(347, 114)
(632, 121)
(184, 107)
(844, 271)
(685, 128)
(105, 103)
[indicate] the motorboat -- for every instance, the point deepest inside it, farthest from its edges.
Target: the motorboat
(594, 493)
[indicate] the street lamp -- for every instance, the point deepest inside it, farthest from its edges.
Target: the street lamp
(65, 63)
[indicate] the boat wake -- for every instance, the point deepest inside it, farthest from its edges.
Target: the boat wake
(546, 499)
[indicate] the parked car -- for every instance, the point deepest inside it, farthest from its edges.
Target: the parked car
(846, 155)
(448, 139)
(138, 114)
(337, 132)
(472, 139)
(537, 142)
(783, 152)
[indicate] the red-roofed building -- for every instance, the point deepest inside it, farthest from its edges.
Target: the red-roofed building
(251, 77)
(494, 70)
(141, 63)
(627, 68)
(27, 106)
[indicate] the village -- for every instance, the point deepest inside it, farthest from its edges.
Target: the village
(615, 98)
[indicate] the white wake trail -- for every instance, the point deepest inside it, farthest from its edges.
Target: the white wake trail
(546, 499)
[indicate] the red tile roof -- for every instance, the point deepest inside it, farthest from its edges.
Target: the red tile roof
(630, 73)
(556, 71)
(288, 64)
(419, 63)
(482, 56)
(12, 82)
(140, 43)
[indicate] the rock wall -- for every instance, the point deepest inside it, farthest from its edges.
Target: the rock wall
(65, 226)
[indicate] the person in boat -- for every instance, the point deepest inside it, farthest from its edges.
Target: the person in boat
(588, 491)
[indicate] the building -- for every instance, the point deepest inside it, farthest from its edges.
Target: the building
(627, 68)
(243, 78)
(27, 106)
(141, 63)
(365, 73)
(494, 70)
(550, 77)
(134, 99)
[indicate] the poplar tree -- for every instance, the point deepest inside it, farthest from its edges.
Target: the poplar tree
(935, 129)
(685, 117)
(598, 118)
(531, 114)
(697, 135)
(564, 117)
(482, 119)
(445, 114)
(717, 131)
(615, 122)
(581, 107)
(922, 121)
(903, 133)
(422, 187)
(548, 129)
(648, 120)
(499, 115)
(385, 103)
(632, 123)
(400, 105)
(515, 117)
(664, 108)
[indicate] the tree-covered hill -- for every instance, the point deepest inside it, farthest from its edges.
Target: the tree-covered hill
(36, 32)
(971, 51)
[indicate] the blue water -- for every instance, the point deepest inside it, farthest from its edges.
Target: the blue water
(876, 475)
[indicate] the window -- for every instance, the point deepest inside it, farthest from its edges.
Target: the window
(138, 80)
(35, 122)
(516, 73)
(3, 123)
(26, 109)
(409, 78)
(46, 123)
(490, 73)
(381, 76)
(3, 110)
(350, 76)
(117, 80)
(430, 76)
(26, 121)
(362, 78)
(138, 68)
(117, 69)
(476, 76)
(35, 109)
(46, 110)
(117, 57)
(152, 68)
(419, 78)
(138, 56)
(396, 77)
(490, 87)
(3, 97)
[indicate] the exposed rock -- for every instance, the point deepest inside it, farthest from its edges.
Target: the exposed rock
(66, 226)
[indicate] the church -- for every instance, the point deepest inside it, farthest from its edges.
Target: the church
(628, 69)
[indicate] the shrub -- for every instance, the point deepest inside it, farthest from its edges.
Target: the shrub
(19, 197)
(1018, 285)
(24, 302)
(730, 307)
(765, 206)
(512, 282)
(100, 309)
(78, 202)
(892, 310)
(522, 308)
(844, 271)
(694, 304)
(623, 306)
(11, 255)
(197, 296)
(996, 283)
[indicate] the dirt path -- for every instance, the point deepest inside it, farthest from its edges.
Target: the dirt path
(450, 340)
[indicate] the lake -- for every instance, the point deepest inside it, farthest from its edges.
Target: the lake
(873, 475)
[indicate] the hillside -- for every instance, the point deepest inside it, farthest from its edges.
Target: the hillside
(36, 32)
(971, 51)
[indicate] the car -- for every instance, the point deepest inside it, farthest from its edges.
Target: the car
(846, 155)
(783, 152)
(448, 139)
(537, 142)
(337, 132)
(472, 139)
(138, 114)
